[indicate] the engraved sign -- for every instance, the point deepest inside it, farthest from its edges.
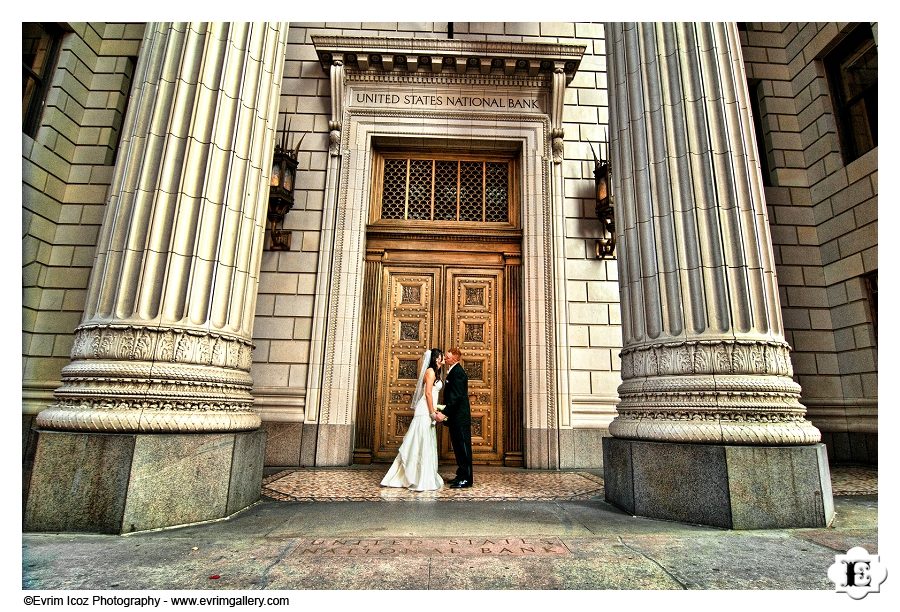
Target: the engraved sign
(486, 100)
(431, 547)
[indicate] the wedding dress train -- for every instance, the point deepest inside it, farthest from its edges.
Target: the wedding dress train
(416, 465)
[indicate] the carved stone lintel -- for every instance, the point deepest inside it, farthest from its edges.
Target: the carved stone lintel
(435, 55)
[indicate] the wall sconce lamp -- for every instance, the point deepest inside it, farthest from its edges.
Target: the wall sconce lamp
(281, 191)
(605, 247)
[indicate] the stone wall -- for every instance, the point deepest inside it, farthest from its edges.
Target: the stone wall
(824, 219)
(66, 171)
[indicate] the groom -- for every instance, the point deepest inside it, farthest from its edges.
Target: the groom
(459, 418)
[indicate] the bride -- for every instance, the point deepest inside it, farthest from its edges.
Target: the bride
(416, 465)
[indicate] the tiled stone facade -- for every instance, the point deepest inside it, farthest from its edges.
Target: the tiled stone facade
(66, 170)
(823, 216)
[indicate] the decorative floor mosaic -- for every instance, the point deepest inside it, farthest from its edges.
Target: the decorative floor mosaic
(363, 484)
(354, 484)
(851, 480)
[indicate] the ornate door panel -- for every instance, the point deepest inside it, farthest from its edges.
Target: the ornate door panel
(410, 310)
(426, 306)
(473, 298)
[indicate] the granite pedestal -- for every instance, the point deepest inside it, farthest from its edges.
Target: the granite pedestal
(120, 483)
(735, 487)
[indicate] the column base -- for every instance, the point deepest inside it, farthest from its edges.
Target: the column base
(735, 487)
(120, 483)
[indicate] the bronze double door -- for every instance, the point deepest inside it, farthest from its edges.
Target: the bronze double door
(417, 300)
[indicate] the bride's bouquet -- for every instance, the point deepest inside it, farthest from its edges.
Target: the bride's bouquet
(439, 408)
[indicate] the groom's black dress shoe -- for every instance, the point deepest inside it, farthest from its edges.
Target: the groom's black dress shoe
(461, 484)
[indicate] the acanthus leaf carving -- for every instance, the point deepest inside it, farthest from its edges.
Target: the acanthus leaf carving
(667, 387)
(218, 355)
(205, 352)
(684, 360)
(95, 345)
(165, 347)
(722, 358)
(141, 343)
(183, 350)
(108, 395)
(142, 347)
(106, 345)
(126, 345)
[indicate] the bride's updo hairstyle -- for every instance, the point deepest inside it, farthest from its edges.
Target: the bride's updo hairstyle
(436, 354)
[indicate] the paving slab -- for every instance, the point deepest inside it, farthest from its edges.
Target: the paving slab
(578, 544)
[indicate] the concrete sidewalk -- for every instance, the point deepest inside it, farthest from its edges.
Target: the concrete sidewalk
(570, 544)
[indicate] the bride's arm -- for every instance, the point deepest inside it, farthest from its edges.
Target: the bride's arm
(429, 384)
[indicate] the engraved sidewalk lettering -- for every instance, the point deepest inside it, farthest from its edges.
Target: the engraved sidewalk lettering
(431, 547)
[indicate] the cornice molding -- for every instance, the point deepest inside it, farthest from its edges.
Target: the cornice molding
(434, 56)
(473, 79)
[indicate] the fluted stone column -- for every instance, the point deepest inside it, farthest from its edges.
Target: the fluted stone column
(704, 358)
(165, 342)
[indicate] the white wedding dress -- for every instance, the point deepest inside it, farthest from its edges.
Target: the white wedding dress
(416, 465)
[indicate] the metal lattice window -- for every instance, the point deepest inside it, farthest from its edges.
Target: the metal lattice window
(423, 189)
(393, 201)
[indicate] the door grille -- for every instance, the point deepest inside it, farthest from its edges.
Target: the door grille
(423, 189)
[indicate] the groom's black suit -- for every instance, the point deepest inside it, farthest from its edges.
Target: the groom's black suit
(459, 420)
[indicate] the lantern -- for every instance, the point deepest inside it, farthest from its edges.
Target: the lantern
(605, 247)
(281, 191)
